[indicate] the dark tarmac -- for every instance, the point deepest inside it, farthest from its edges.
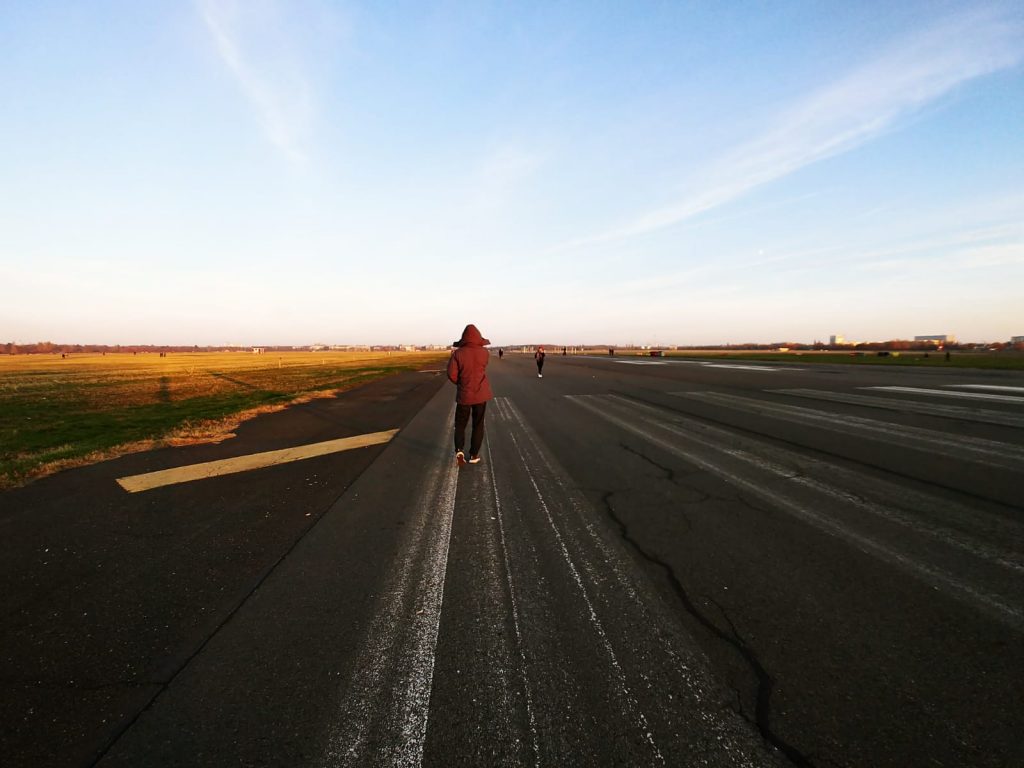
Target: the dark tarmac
(657, 563)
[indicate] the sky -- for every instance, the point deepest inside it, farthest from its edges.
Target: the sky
(312, 171)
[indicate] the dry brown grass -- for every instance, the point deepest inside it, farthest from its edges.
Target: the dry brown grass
(57, 413)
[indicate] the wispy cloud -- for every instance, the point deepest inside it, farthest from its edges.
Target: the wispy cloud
(848, 113)
(255, 47)
(508, 164)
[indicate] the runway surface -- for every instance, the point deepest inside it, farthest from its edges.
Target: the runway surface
(658, 562)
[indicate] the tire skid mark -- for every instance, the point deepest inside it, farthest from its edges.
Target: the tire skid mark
(692, 674)
(624, 692)
(382, 720)
(995, 606)
(514, 608)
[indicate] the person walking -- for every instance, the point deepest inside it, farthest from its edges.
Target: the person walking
(501, 353)
(467, 370)
(539, 357)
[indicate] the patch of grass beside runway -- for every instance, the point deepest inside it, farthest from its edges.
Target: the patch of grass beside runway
(60, 412)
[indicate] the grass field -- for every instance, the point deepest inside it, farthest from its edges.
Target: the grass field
(56, 413)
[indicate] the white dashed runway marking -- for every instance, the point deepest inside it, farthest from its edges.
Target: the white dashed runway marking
(993, 387)
(949, 393)
(733, 366)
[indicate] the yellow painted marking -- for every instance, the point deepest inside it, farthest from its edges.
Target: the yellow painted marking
(136, 483)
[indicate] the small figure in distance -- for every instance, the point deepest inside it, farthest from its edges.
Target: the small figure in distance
(563, 351)
(501, 353)
(467, 370)
(539, 357)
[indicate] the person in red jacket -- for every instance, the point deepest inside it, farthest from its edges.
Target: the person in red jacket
(467, 369)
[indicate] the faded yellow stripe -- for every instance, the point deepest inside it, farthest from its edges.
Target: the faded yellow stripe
(136, 483)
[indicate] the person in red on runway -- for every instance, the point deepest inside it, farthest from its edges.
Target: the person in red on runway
(467, 369)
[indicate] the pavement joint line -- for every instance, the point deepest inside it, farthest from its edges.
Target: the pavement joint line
(190, 472)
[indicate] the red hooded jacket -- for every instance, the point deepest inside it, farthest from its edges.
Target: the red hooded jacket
(467, 368)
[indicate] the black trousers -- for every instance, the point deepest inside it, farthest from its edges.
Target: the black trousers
(462, 412)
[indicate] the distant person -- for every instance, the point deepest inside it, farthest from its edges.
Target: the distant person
(563, 351)
(501, 353)
(539, 357)
(467, 369)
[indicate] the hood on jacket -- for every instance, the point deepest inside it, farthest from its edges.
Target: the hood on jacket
(471, 337)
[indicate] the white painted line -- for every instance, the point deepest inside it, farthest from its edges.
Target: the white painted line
(800, 469)
(414, 710)
(948, 393)
(955, 446)
(750, 483)
(962, 413)
(993, 387)
(739, 367)
(382, 719)
(150, 480)
(733, 366)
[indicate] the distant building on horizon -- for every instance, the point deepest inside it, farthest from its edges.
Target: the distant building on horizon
(944, 338)
(836, 339)
(1017, 339)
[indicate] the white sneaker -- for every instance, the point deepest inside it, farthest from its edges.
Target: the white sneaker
(540, 375)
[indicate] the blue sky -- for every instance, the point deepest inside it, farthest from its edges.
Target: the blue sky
(667, 172)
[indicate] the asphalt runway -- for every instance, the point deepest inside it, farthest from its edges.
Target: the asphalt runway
(658, 562)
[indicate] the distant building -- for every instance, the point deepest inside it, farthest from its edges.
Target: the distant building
(836, 340)
(1017, 339)
(258, 350)
(937, 339)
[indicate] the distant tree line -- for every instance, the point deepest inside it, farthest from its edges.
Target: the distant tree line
(48, 347)
(893, 344)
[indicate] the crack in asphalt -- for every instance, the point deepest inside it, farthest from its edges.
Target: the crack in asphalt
(752, 506)
(670, 473)
(765, 682)
(675, 478)
(71, 685)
